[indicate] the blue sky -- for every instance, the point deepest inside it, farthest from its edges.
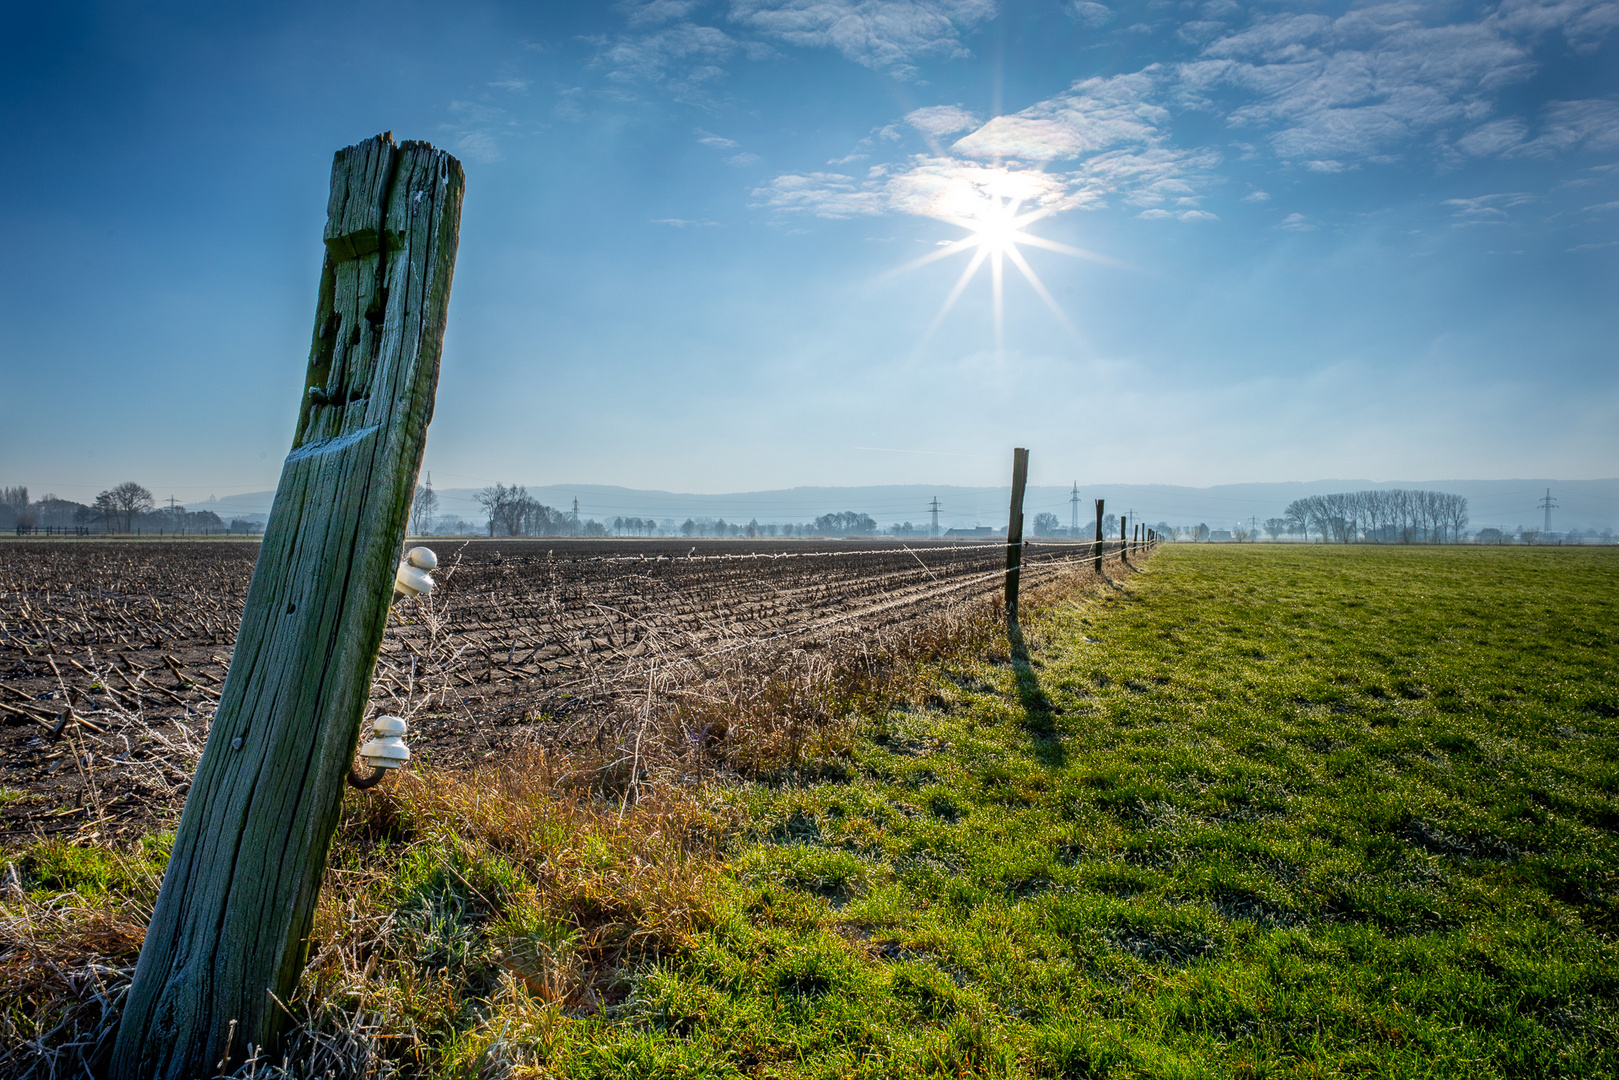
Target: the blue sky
(1373, 241)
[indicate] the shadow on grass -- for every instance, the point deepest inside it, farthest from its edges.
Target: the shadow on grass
(1039, 717)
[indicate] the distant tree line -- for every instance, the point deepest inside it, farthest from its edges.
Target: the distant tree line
(843, 523)
(1382, 516)
(512, 511)
(128, 508)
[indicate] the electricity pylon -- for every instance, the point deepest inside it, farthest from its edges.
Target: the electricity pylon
(1547, 504)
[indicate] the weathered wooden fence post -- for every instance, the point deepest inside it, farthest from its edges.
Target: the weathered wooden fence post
(1014, 534)
(1098, 537)
(229, 932)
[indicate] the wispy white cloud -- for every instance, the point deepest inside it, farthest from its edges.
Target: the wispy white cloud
(1357, 85)
(1494, 137)
(656, 12)
(925, 186)
(708, 138)
(1092, 115)
(1583, 23)
(743, 159)
(1591, 125)
(685, 58)
(479, 146)
(1106, 133)
(1486, 209)
(685, 223)
(1376, 85)
(1257, 197)
(475, 130)
(827, 195)
(939, 120)
(890, 35)
(1296, 222)
(1089, 14)
(510, 84)
(1329, 92)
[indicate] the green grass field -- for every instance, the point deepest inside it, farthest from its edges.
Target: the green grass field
(1260, 811)
(1290, 810)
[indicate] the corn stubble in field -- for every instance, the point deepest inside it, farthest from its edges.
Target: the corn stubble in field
(1295, 810)
(111, 656)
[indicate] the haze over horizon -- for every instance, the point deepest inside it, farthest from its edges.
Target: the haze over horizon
(1314, 240)
(1583, 504)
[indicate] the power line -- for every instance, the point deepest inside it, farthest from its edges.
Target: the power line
(1548, 504)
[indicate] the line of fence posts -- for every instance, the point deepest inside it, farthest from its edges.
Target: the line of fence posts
(1014, 534)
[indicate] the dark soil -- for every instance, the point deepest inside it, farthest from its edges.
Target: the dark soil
(113, 653)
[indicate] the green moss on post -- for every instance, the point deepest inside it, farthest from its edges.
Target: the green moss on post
(229, 932)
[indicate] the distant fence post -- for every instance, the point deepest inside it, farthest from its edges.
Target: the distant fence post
(229, 934)
(1014, 533)
(1099, 537)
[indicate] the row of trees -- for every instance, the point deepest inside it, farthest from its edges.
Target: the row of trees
(1382, 516)
(844, 523)
(512, 511)
(127, 508)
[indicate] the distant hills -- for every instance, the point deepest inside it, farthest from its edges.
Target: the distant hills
(1503, 504)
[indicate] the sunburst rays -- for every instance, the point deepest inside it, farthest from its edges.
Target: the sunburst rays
(996, 228)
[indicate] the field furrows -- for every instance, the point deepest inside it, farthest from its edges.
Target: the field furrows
(112, 655)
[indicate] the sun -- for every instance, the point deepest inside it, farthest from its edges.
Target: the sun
(997, 226)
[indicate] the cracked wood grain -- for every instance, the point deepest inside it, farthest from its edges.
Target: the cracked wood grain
(229, 933)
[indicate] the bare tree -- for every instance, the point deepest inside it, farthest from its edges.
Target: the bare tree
(14, 507)
(124, 502)
(505, 507)
(1456, 516)
(1275, 527)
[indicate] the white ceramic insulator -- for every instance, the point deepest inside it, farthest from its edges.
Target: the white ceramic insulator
(388, 749)
(422, 558)
(412, 581)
